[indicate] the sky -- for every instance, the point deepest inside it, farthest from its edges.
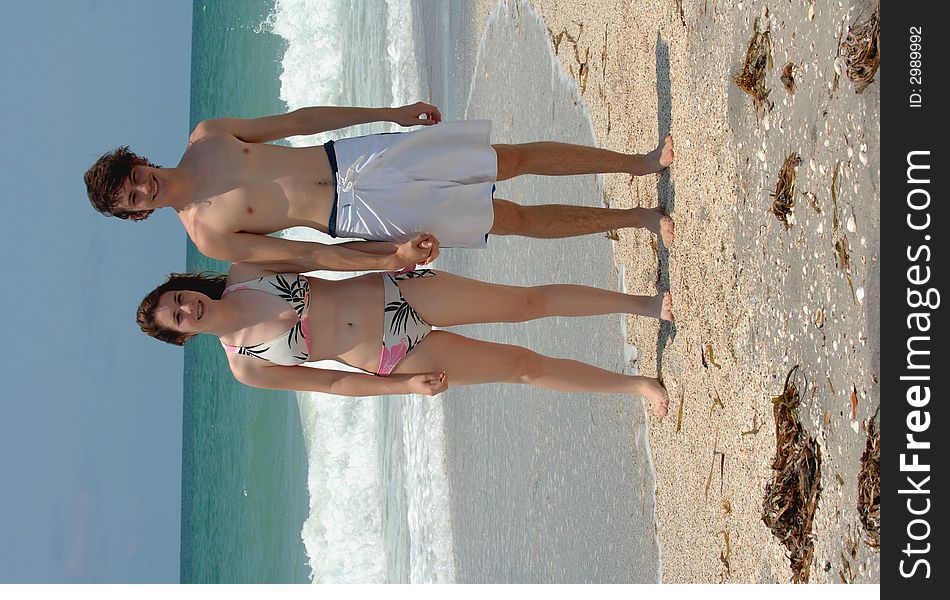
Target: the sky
(90, 409)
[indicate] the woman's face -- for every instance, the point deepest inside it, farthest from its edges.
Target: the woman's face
(184, 311)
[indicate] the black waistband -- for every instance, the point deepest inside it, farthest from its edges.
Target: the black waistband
(331, 156)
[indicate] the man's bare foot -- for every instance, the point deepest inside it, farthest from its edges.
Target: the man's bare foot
(659, 159)
(660, 224)
(666, 151)
(656, 394)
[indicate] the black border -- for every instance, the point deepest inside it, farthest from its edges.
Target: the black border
(905, 129)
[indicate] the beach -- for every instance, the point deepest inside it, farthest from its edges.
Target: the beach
(506, 483)
(752, 299)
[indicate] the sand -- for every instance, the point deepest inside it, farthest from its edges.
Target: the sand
(763, 298)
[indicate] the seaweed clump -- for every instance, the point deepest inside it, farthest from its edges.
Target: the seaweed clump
(791, 498)
(788, 77)
(862, 50)
(784, 193)
(869, 487)
(758, 61)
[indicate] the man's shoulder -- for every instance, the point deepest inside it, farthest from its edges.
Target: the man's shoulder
(209, 129)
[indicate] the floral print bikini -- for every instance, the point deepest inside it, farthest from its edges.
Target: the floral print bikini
(291, 348)
(403, 328)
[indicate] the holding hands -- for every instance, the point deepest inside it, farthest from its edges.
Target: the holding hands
(419, 251)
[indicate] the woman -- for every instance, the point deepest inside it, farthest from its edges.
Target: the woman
(306, 319)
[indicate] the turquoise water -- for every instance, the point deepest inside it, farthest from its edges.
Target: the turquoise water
(244, 492)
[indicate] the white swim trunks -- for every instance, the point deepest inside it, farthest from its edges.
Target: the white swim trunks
(394, 186)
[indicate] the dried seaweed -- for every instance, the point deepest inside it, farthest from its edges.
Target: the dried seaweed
(755, 425)
(722, 468)
(835, 223)
(679, 413)
(711, 465)
(725, 556)
(722, 471)
(583, 69)
(788, 77)
(813, 201)
(869, 486)
(679, 7)
(758, 61)
(791, 498)
(712, 356)
(784, 193)
(862, 50)
(841, 252)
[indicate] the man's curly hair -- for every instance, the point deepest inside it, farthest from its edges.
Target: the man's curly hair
(210, 284)
(106, 176)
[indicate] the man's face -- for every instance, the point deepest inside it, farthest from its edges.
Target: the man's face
(141, 191)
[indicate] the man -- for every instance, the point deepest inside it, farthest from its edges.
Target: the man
(231, 188)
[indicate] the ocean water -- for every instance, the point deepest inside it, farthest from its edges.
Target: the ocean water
(481, 484)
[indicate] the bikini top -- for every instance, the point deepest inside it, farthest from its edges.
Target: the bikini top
(293, 347)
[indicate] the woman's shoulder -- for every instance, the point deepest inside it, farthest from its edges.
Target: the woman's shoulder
(240, 272)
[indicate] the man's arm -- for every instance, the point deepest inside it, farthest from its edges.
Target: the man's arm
(302, 257)
(341, 383)
(315, 119)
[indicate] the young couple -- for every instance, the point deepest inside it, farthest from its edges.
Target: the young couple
(405, 194)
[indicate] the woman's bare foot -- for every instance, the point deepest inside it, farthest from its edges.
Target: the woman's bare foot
(657, 222)
(655, 393)
(660, 306)
(666, 306)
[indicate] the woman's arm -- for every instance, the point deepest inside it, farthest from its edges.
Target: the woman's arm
(340, 383)
(421, 250)
(302, 257)
(373, 256)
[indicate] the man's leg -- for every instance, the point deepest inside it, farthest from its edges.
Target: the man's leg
(555, 158)
(561, 220)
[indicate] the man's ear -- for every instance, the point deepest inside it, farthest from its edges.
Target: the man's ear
(140, 215)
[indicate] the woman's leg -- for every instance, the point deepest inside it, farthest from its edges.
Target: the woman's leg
(447, 299)
(466, 362)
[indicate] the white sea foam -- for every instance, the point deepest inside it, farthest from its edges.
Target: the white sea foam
(345, 532)
(346, 53)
